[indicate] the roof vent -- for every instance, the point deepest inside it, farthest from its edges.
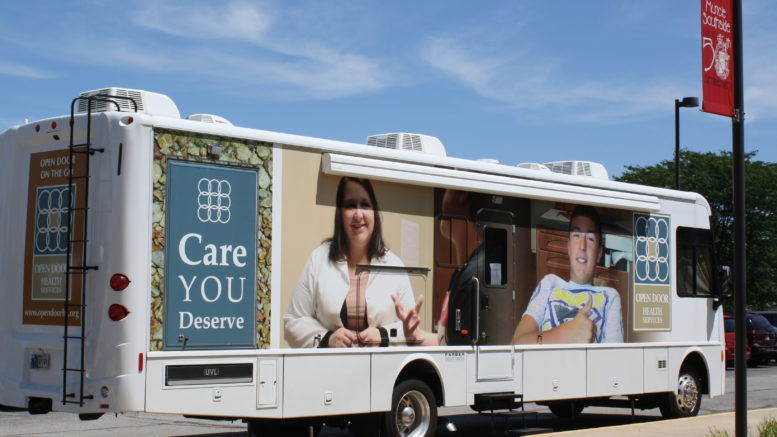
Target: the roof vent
(533, 166)
(488, 160)
(209, 118)
(148, 102)
(406, 141)
(579, 168)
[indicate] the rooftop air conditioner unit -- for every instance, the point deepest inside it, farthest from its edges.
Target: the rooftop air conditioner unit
(147, 102)
(406, 141)
(209, 118)
(533, 166)
(579, 168)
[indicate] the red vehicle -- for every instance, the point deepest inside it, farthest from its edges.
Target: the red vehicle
(731, 341)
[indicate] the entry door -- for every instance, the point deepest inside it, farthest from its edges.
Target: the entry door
(495, 291)
(495, 283)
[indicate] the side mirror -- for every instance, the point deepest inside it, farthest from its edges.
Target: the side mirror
(726, 288)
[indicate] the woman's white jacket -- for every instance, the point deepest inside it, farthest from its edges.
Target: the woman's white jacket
(321, 290)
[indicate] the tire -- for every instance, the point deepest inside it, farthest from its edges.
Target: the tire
(413, 410)
(566, 409)
(687, 401)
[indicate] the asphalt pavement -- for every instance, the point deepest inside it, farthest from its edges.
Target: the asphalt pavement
(716, 415)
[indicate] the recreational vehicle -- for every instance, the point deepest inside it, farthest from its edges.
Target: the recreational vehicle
(154, 263)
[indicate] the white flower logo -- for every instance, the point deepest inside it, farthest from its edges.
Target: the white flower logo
(213, 200)
(652, 248)
(50, 220)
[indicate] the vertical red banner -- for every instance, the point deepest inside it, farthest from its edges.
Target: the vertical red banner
(717, 56)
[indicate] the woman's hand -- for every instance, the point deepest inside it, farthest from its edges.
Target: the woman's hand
(369, 337)
(343, 338)
(410, 319)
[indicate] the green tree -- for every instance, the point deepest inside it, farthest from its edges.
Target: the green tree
(710, 174)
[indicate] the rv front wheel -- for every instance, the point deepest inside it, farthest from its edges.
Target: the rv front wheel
(413, 410)
(687, 401)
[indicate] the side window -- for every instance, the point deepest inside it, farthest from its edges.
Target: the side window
(695, 262)
(496, 256)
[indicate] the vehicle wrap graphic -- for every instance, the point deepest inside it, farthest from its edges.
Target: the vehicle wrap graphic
(215, 204)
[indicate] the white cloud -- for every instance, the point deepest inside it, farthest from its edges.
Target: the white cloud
(536, 84)
(279, 77)
(236, 21)
(252, 43)
(10, 68)
(760, 79)
(267, 51)
(453, 58)
(7, 122)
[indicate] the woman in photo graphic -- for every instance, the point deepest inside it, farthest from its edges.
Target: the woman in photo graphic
(337, 305)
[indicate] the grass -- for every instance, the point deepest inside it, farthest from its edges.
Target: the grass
(767, 428)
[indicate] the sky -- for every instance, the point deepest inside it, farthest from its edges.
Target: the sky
(517, 81)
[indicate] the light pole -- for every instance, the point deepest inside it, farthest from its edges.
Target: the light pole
(686, 102)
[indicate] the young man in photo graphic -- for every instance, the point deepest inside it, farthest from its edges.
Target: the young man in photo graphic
(574, 311)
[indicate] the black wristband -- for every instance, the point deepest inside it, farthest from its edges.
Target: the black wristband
(325, 341)
(384, 338)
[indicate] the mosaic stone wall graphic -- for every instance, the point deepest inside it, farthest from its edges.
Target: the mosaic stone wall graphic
(216, 205)
(652, 273)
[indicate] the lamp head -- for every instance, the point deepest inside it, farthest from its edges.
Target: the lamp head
(688, 102)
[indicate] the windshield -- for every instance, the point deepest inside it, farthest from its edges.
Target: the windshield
(759, 323)
(729, 325)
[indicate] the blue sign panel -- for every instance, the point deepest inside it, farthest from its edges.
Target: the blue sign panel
(210, 280)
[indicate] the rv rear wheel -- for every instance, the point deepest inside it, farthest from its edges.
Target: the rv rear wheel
(687, 401)
(413, 410)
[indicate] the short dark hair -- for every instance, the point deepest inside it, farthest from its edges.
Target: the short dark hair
(588, 212)
(338, 247)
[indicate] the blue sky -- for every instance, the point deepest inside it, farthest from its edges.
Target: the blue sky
(518, 81)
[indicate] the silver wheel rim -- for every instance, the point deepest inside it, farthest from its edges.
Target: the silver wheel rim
(413, 414)
(687, 394)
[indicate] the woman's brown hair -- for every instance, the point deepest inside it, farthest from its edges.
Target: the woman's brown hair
(338, 247)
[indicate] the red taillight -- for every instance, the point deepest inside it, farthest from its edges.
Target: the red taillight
(119, 282)
(53, 124)
(130, 120)
(140, 362)
(37, 128)
(117, 312)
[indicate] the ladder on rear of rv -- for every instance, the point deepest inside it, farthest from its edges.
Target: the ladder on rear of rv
(76, 267)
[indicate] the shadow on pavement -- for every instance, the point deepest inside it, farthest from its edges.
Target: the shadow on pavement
(481, 425)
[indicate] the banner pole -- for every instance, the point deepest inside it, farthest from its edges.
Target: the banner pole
(740, 292)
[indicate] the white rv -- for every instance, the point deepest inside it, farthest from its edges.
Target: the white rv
(160, 264)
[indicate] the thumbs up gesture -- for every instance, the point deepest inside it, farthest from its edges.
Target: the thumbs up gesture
(581, 329)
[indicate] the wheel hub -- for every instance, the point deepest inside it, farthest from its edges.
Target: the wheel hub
(407, 415)
(687, 394)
